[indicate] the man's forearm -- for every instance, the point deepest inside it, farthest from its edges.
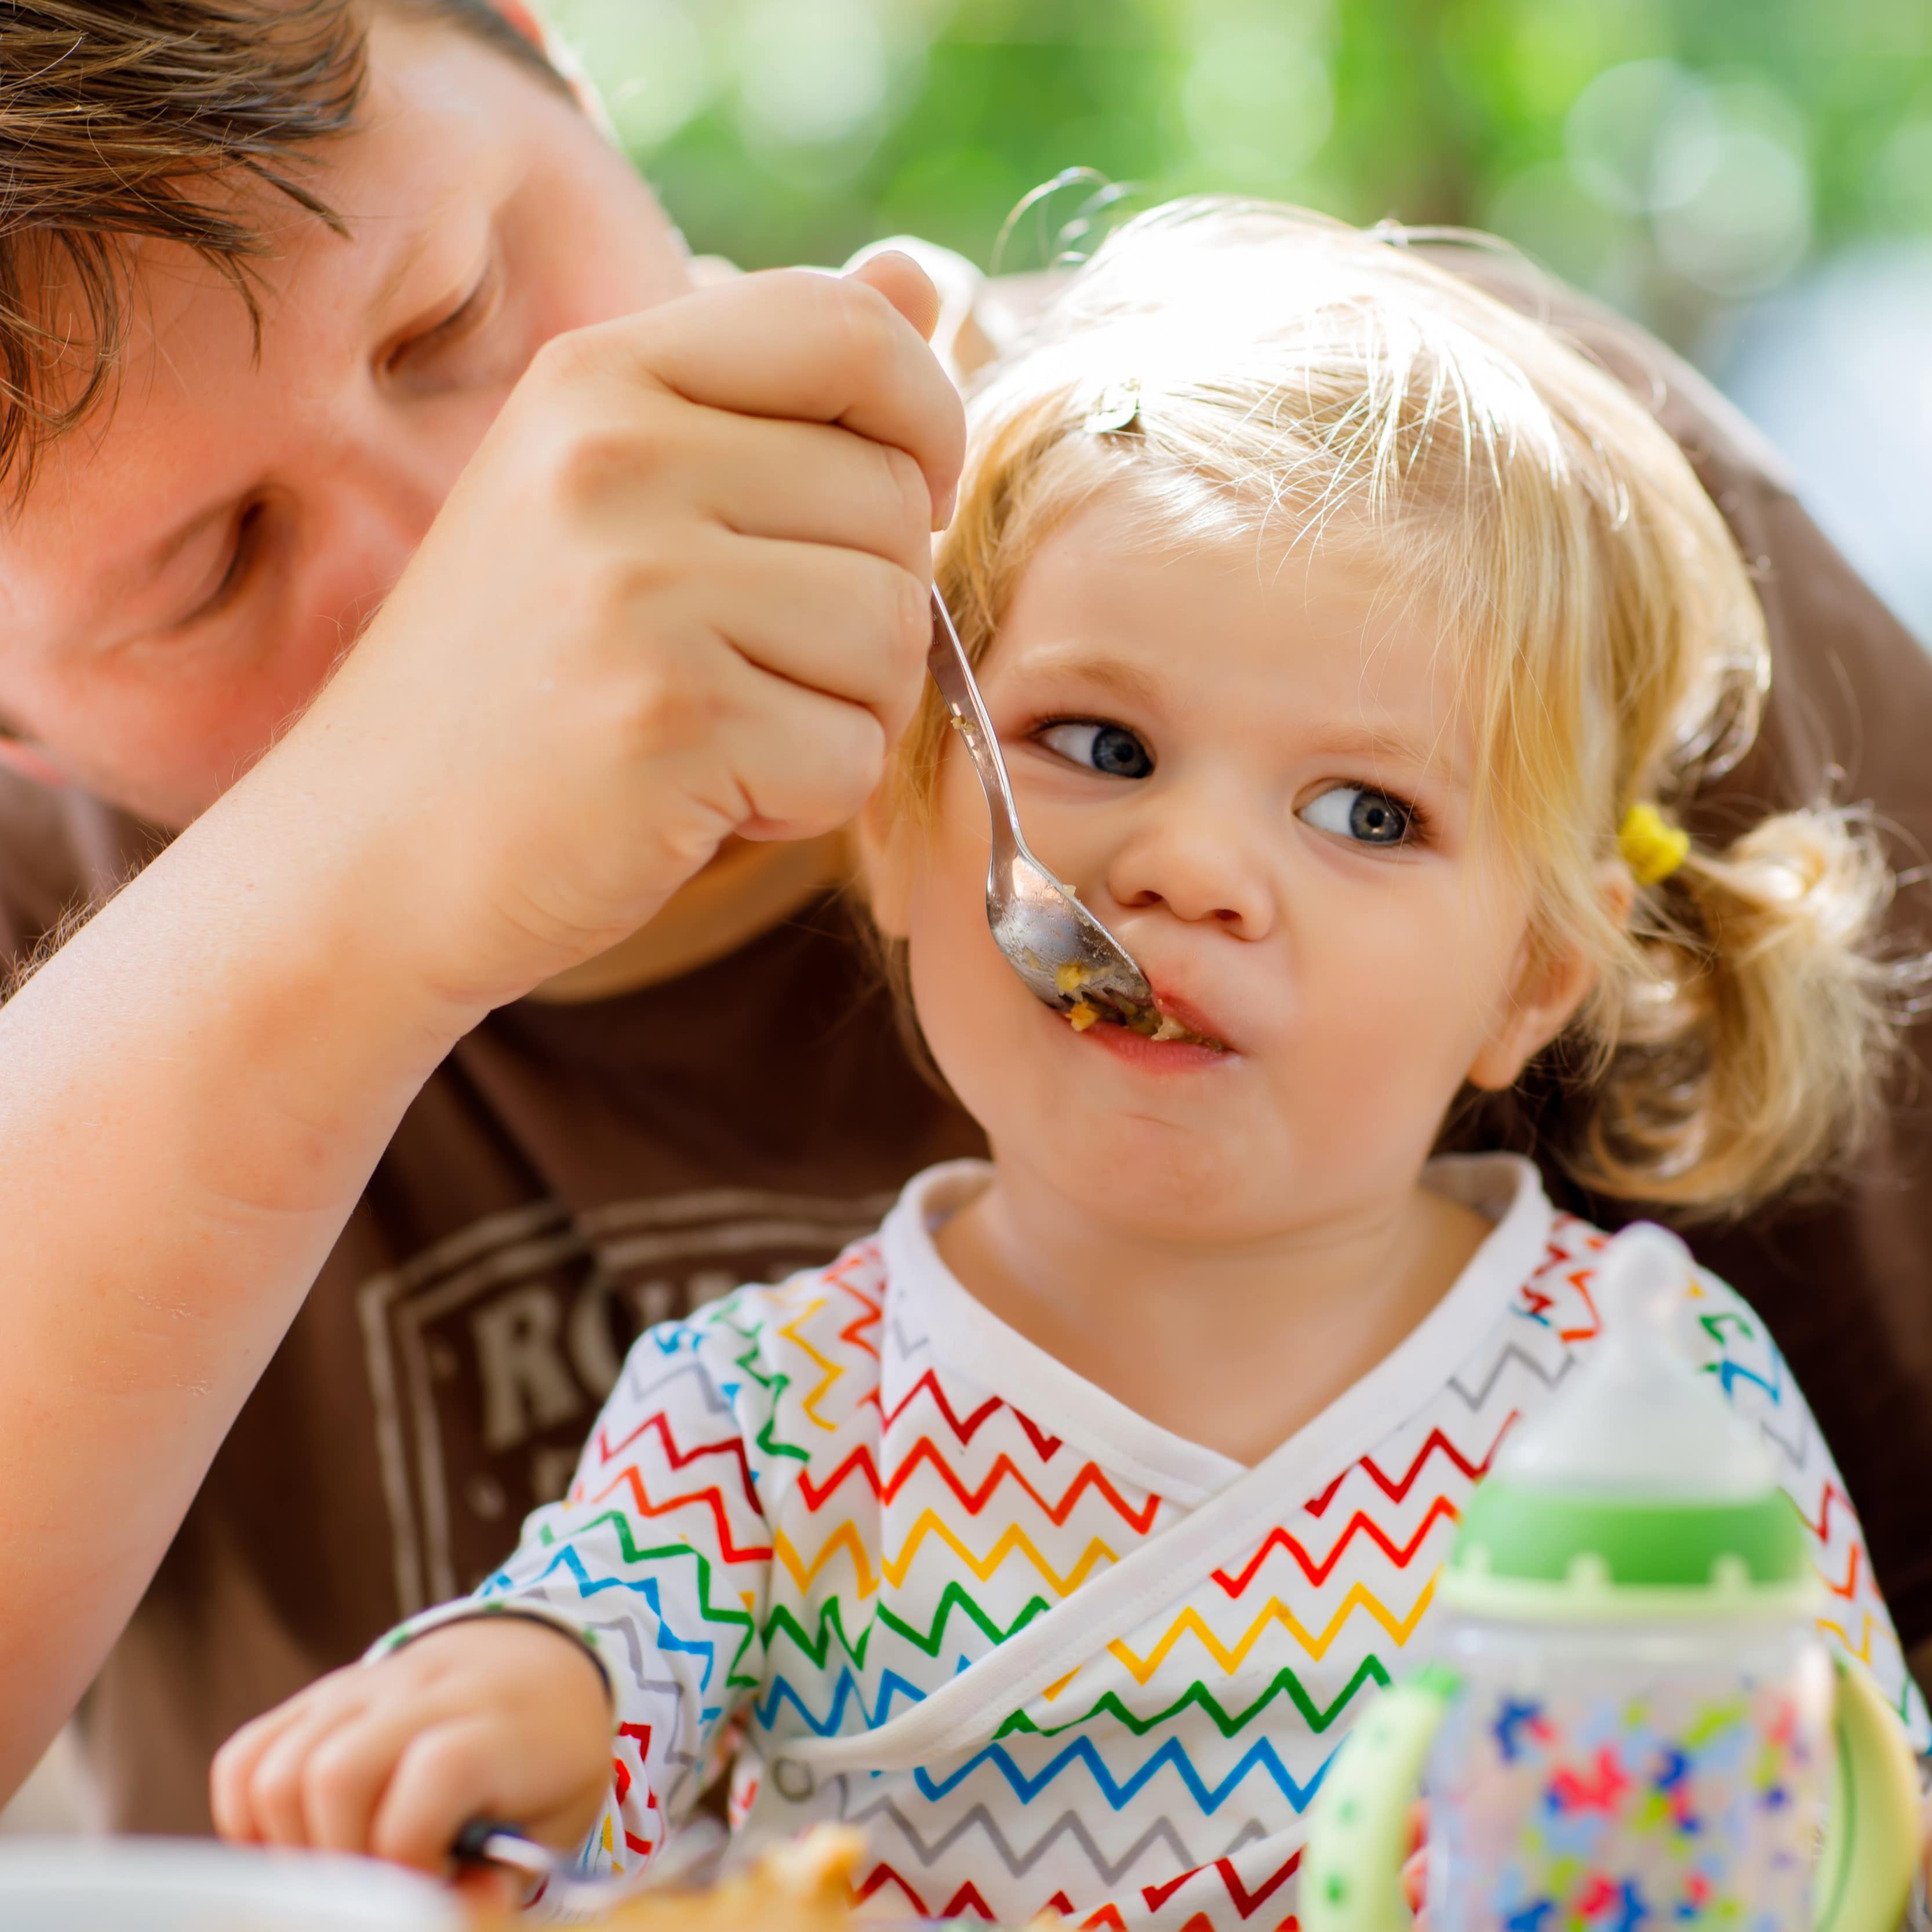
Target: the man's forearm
(192, 1094)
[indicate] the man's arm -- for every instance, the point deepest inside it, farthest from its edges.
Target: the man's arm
(679, 594)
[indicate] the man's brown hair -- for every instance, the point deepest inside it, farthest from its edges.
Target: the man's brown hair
(115, 118)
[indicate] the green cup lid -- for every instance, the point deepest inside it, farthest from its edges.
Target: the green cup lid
(1638, 1487)
(1540, 1535)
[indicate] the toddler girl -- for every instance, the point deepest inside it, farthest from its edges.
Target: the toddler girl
(1353, 642)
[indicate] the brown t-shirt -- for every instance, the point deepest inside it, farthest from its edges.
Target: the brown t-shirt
(570, 1175)
(573, 1173)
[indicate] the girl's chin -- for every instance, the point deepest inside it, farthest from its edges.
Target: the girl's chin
(1145, 1189)
(1159, 1157)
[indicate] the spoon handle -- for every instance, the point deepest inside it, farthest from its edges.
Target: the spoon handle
(953, 675)
(687, 1860)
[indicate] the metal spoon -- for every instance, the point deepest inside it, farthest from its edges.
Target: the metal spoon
(1063, 953)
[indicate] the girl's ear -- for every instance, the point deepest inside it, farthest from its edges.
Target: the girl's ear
(1554, 983)
(1549, 991)
(888, 855)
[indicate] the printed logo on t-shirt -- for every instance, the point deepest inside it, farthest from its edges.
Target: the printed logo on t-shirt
(489, 1354)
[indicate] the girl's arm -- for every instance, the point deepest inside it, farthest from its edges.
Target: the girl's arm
(657, 1565)
(680, 593)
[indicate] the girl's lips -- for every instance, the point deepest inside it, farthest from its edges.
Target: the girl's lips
(1158, 1056)
(1167, 1056)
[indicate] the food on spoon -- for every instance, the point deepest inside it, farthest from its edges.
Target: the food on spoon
(1154, 1025)
(1149, 1021)
(1070, 975)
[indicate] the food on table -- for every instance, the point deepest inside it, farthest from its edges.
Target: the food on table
(805, 1886)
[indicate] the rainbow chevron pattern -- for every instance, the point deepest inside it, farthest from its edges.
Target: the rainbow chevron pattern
(799, 1516)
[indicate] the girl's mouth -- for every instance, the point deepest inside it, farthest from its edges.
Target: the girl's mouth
(1166, 1024)
(1182, 1050)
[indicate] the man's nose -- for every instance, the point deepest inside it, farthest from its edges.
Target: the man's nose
(382, 493)
(395, 485)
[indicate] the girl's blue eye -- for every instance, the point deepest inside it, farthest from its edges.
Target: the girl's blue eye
(1369, 817)
(1111, 749)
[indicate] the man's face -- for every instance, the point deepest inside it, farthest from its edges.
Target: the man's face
(190, 563)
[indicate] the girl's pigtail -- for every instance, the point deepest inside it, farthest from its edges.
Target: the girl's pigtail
(1747, 1051)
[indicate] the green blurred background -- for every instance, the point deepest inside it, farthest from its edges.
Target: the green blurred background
(1672, 153)
(1707, 166)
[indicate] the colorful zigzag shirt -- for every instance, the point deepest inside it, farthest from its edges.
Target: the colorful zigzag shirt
(904, 1569)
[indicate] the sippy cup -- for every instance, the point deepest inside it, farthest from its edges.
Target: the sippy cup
(1631, 1722)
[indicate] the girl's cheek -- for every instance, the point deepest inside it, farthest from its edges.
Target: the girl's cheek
(947, 900)
(976, 1016)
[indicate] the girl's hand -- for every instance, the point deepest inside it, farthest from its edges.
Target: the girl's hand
(680, 593)
(501, 1717)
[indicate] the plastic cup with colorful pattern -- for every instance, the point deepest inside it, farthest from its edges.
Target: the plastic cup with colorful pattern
(1632, 1722)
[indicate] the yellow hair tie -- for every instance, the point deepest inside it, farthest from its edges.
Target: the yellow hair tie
(1651, 849)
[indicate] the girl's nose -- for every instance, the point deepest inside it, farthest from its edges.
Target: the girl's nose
(1204, 861)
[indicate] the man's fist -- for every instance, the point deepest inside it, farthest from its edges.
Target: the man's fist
(680, 593)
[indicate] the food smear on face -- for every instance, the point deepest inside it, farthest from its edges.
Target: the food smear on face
(1082, 1015)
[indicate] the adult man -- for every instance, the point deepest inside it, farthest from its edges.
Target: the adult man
(684, 610)
(671, 608)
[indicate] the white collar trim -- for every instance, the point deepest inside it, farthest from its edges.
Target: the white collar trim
(970, 1339)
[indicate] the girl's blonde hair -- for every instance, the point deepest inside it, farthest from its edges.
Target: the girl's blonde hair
(1227, 369)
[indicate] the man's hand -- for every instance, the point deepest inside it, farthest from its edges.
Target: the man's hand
(680, 593)
(500, 1717)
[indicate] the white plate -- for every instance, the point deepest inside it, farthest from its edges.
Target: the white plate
(160, 1885)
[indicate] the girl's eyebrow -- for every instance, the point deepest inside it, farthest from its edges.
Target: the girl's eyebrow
(1433, 751)
(1117, 675)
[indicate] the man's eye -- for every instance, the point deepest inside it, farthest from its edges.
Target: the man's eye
(1111, 749)
(476, 309)
(243, 555)
(1354, 812)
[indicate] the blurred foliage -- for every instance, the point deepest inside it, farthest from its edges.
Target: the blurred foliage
(1677, 156)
